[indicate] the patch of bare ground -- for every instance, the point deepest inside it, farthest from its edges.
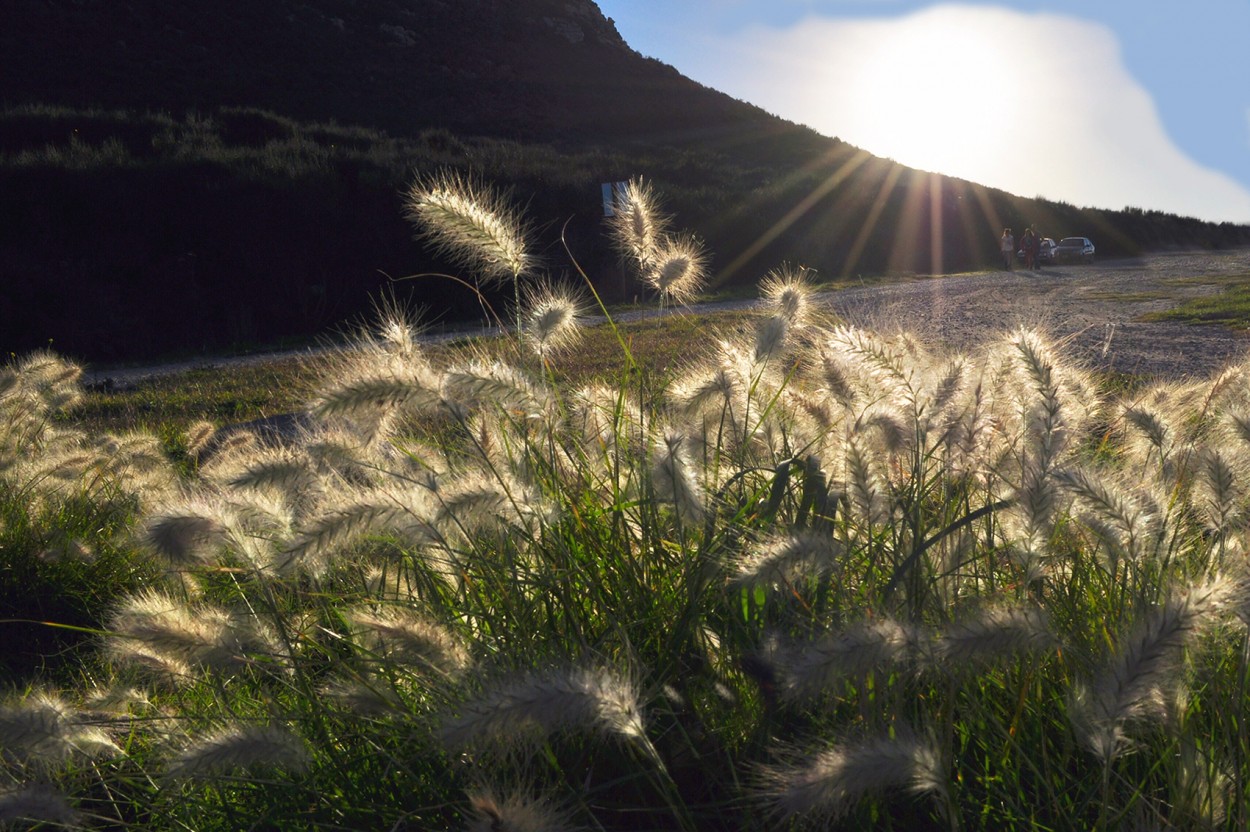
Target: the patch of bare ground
(1094, 310)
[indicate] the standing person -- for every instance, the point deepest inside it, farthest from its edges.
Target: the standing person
(1007, 245)
(1035, 253)
(1028, 242)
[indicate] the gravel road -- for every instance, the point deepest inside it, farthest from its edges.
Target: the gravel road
(1093, 308)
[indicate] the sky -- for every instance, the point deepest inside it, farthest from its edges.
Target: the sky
(1098, 103)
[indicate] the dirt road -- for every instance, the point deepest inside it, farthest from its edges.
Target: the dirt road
(1095, 309)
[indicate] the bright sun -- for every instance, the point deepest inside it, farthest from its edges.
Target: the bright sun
(938, 80)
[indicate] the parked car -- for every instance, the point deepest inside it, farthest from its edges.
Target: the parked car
(1074, 248)
(1046, 253)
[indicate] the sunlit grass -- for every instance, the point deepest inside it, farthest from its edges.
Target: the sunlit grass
(750, 570)
(1229, 307)
(239, 392)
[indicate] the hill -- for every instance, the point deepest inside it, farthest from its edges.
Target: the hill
(183, 177)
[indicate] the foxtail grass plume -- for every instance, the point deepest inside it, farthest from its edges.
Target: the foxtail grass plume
(199, 436)
(991, 635)
(637, 226)
(516, 812)
(787, 559)
(865, 485)
(1044, 405)
(787, 291)
(403, 635)
(479, 502)
(1152, 425)
(715, 391)
(481, 383)
(552, 318)
(1219, 493)
(593, 699)
(827, 786)
(406, 513)
(368, 391)
(1139, 683)
(1204, 788)
(1125, 517)
(233, 748)
(366, 696)
(117, 700)
(41, 731)
(771, 335)
(155, 623)
(48, 378)
(471, 225)
(673, 476)
(185, 535)
(38, 804)
(881, 644)
(678, 270)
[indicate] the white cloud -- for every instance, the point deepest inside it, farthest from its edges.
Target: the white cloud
(1036, 104)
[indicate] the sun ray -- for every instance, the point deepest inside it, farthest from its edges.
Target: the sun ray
(870, 221)
(802, 207)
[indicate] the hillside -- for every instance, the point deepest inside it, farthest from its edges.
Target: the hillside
(179, 177)
(547, 71)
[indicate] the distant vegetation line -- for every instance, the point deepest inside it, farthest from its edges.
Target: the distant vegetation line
(131, 235)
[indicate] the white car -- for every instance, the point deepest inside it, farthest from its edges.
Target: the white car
(1074, 248)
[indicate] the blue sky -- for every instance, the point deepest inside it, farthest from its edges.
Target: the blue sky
(1105, 103)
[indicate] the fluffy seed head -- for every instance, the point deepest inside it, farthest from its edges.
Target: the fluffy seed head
(879, 644)
(637, 225)
(469, 224)
(514, 813)
(199, 435)
(42, 731)
(238, 747)
(787, 291)
(673, 476)
(153, 623)
(833, 781)
(679, 269)
(186, 535)
(992, 634)
(408, 637)
(38, 804)
(552, 318)
(786, 559)
(1144, 673)
(580, 698)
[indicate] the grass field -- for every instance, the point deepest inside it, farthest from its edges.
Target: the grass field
(750, 571)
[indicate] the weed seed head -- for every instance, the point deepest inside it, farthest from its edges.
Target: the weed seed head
(471, 225)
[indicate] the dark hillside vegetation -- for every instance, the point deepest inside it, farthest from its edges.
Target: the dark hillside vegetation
(182, 178)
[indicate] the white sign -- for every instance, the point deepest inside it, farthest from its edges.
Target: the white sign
(612, 191)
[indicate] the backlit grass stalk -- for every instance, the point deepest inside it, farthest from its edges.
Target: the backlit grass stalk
(474, 227)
